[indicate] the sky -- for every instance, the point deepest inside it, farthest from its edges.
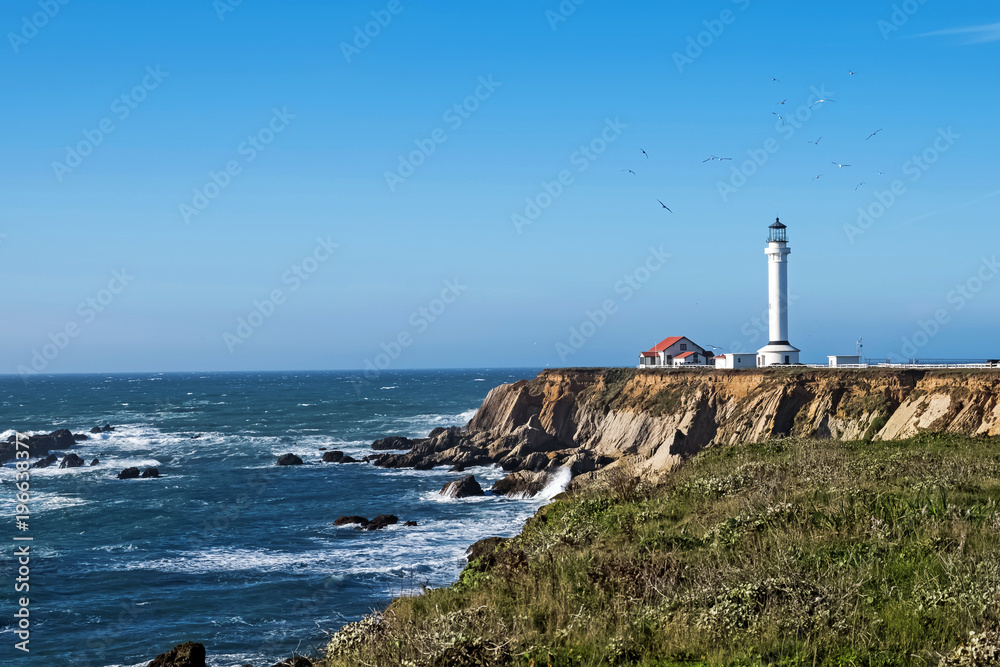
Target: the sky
(226, 186)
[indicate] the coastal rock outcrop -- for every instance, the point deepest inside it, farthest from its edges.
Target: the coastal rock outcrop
(462, 488)
(189, 654)
(36, 445)
(289, 460)
(392, 442)
(150, 473)
(521, 484)
(45, 462)
(337, 456)
(129, 473)
(71, 461)
(381, 521)
(586, 419)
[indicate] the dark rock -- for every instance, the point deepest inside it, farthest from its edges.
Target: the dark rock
(436, 432)
(46, 462)
(71, 461)
(381, 521)
(423, 465)
(462, 488)
(521, 484)
(107, 428)
(195, 436)
(129, 473)
(458, 467)
(95, 462)
(150, 473)
(485, 548)
(336, 456)
(344, 520)
(191, 654)
(393, 442)
(64, 439)
(349, 459)
(80, 436)
(289, 460)
(96, 429)
(410, 524)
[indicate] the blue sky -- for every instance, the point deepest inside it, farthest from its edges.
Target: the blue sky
(264, 150)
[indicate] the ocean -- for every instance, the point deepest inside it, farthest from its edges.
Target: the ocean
(227, 548)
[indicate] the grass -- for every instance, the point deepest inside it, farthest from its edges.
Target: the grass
(791, 552)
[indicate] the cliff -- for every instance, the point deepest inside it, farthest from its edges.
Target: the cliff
(662, 416)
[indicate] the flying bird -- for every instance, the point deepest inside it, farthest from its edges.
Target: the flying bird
(645, 153)
(817, 178)
(629, 171)
(815, 143)
(709, 159)
(773, 79)
(782, 101)
(820, 102)
(778, 115)
(852, 72)
(859, 185)
(880, 173)
(873, 134)
(840, 165)
(664, 206)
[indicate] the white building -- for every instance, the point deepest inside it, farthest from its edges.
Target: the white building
(691, 358)
(666, 351)
(732, 361)
(837, 360)
(778, 351)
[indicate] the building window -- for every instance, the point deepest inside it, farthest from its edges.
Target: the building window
(684, 347)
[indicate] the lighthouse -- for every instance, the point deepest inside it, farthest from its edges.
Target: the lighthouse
(777, 351)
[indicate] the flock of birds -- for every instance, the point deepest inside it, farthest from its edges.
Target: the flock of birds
(781, 119)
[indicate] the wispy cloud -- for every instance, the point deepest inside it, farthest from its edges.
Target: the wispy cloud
(976, 34)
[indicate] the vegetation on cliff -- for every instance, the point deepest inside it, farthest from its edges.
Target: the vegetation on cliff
(790, 552)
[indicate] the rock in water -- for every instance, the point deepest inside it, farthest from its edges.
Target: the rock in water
(381, 521)
(393, 442)
(96, 429)
(129, 473)
(191, 654)
(95, 462)
(337, 456)
(344, 520)
(81, 436)
(289, 460)
(150, 472)
(522, 484)
(46, 462)
(462, 488)
(71, 461)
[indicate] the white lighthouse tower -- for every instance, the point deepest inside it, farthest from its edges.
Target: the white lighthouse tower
(777, 351)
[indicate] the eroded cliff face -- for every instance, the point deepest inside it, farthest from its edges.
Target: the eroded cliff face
(661, 416)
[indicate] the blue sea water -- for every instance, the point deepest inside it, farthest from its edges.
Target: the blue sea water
(227, 548)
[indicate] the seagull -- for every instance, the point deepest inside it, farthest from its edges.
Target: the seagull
(873, 134)
(778, 115)
(859, 185)
(782, 101)
(815, 143)
(709, 159)
(664, 206)
(820, 102)
(817, 178)
(880, 173)
(629, 171)
(852, 72)
(645, 153)
(777, 80)
(840, 165)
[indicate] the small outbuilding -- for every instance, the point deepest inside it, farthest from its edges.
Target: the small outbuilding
(840, 360)
(732, 361)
